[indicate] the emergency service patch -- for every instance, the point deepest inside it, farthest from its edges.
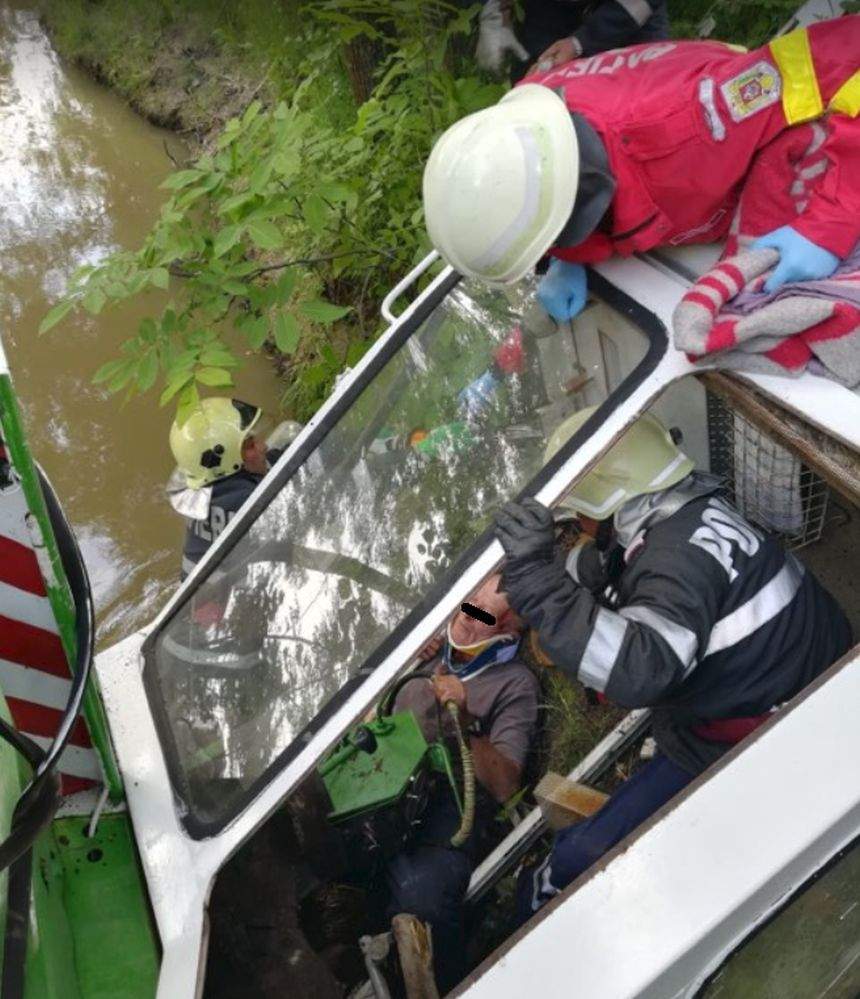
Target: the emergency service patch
(757, 88)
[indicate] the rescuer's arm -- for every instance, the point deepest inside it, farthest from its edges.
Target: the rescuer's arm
(594, 249)
(636, 655)
(831, 220)
(613, 24)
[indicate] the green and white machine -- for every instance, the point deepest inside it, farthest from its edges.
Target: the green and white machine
(379, 560)
(378, 764)
(208, 758)
(380, 776)
(72, 897)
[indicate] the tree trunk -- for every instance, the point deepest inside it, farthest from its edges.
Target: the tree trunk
(360, 57)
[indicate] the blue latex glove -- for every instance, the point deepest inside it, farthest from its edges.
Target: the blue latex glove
(478, 395)
(799, 258)
(562, 290)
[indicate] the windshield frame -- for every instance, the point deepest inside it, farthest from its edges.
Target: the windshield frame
(755, 930)
(197, 828)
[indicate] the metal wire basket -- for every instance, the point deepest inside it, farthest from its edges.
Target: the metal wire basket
(769, 484)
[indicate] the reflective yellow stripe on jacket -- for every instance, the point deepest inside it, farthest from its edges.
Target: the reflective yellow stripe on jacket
(801, 98)
(847, 97)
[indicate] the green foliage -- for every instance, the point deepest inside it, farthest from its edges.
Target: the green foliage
(289, 231)
(744, 22)
(305, 209)
(574, 726)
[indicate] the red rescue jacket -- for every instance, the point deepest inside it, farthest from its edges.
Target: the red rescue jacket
(683, 121)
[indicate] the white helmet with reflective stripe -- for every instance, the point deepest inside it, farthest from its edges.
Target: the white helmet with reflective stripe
(500, 185)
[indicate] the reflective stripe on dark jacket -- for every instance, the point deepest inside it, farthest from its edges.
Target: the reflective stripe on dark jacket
(709, 618)
(228, 495)
(614, 24)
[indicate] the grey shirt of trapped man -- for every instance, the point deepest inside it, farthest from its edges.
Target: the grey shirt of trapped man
(503, 697)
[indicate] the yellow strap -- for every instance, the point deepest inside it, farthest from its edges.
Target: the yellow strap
(801, 98)
(847, 97)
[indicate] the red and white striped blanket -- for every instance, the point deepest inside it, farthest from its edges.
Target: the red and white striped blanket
(807, 325)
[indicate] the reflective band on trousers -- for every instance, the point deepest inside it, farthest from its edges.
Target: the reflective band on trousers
(846, 100)
(602, 649)
(801, 98)
(770, 600)
(542, 888)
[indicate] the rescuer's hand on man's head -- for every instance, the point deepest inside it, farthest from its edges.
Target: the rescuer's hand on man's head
(526, 531)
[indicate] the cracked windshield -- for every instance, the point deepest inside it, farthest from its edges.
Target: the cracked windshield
(455, 424)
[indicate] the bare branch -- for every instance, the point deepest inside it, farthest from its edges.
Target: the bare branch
(305, 261)
(283, 264)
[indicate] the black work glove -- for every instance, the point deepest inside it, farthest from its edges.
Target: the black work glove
(532, 571)
(526, 531)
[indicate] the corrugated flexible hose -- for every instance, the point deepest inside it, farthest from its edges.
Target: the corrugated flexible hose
(468, 767)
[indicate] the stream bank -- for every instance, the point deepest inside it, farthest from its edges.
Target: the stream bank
(176, 64)
(80, 179)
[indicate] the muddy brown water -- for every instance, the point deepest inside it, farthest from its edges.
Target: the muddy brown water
(79, 177)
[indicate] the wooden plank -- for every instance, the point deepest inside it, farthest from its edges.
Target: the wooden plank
(563, 802)
(416, 956)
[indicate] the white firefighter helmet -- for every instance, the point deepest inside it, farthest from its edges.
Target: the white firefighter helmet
(208, 444)
(644, 460)
(500, 185)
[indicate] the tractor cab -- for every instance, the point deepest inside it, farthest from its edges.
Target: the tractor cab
(246, 718)
(200, 814)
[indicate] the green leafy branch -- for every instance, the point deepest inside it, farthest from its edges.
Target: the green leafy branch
(289, 232)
